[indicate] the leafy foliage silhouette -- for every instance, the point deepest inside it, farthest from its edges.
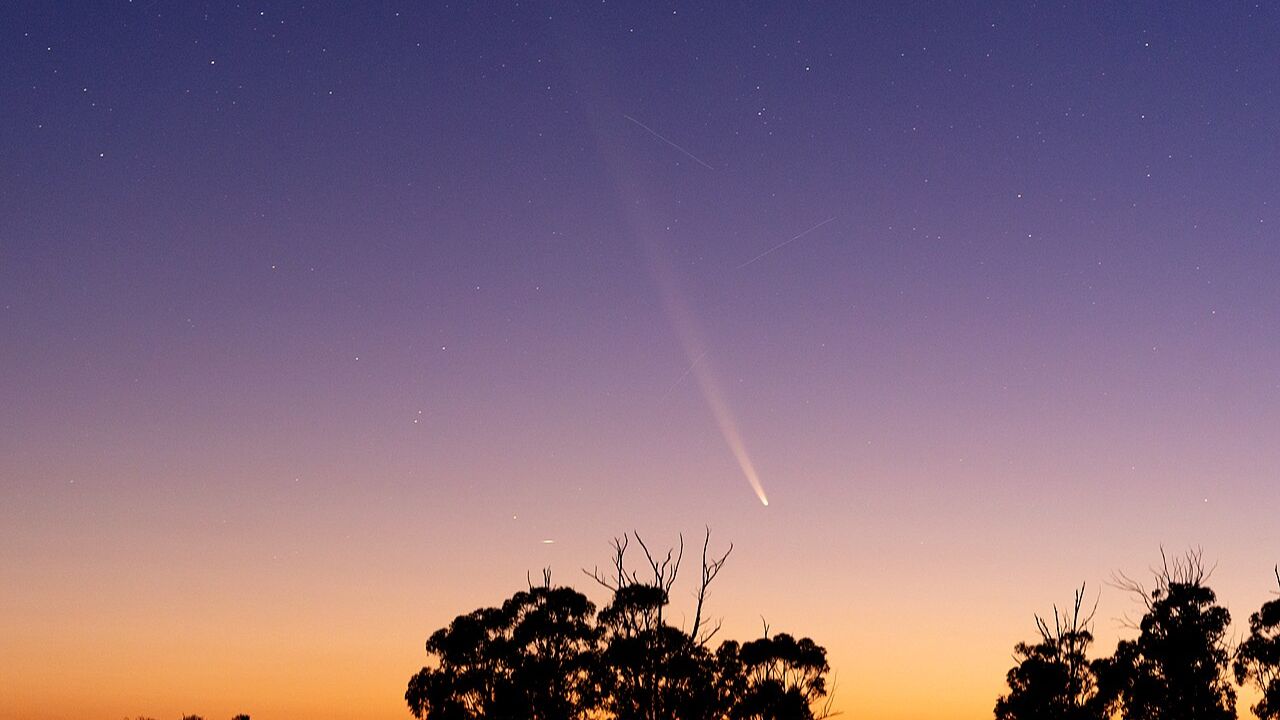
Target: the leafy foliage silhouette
(1177, 668)
(546, 654)
(1258, 657)
(1054, 679)
(779, 677)
(532, 657)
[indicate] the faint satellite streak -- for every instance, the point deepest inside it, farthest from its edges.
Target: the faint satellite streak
(683, 375)
(652, 132)
(784, 243)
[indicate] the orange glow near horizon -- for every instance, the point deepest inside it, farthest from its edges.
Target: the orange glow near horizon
(177, 614)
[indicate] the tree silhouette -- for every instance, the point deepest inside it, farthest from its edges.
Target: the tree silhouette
(1177, 667)
(545, 654)
(555, 643)
(650, 670)
(1054, 679)
(1258, 657)
(775, 678)
(531, 658)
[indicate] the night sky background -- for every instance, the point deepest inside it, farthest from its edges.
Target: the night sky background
(318, 320)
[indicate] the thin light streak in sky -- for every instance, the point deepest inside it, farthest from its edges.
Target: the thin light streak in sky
(654, 133)
(683, 375)
(728, 427)
(700, 365)
(784, 243)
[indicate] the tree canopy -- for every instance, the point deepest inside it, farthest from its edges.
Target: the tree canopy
(1177, 668)
(547, 654)
(1054, 679)
(1258, 658)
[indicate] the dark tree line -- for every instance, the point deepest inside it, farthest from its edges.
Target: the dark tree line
(1258, 658)
(547, 654)
(241, 716)
(1179, 667)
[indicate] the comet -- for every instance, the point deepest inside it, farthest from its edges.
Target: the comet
(690, 335)
(728, 428)
(703, 371)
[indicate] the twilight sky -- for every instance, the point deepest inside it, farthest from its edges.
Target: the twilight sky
(317, 320)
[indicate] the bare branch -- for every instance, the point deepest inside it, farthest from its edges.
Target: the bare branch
(710, 569)
(620, 579)
(831, 698)
(1186, 570)
(705, 637)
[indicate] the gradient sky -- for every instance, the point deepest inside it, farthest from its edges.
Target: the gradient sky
(316, 320)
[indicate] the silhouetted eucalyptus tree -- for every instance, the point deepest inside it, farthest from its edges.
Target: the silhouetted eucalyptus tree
(546, 655)
(1258, 658)
(775, 678)
(650, 670)
(1054, 679)
(532, 658)
(1177, 667)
